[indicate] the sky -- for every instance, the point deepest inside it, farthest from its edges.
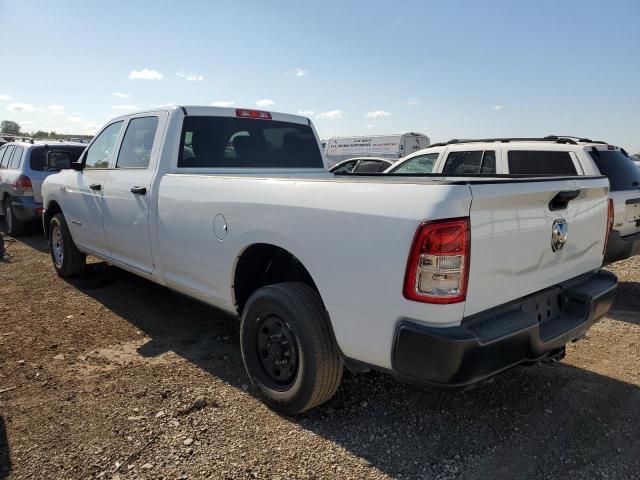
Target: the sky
(448, 69)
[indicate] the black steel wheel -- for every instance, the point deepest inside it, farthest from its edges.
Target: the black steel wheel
(288, 349)
(278, 351)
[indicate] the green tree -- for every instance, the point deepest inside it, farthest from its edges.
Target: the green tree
(10, 127)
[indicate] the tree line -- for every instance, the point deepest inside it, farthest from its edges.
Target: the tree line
(9, 127)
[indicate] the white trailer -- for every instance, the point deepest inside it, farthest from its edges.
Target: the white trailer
(391, 147)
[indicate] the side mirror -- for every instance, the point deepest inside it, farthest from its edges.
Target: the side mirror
(61, 160)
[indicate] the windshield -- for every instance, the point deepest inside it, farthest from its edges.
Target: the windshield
(620, 170)
(419, 164)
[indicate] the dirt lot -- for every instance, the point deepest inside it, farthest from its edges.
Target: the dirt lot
(98, 376)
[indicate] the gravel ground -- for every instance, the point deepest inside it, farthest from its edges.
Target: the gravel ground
(110, 376)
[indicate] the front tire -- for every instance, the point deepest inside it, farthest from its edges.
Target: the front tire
(15, 227)
(287, 347)
(67, 260)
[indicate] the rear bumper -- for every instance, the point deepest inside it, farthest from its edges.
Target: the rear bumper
(619, 248)
(528, 329)
(26, 208)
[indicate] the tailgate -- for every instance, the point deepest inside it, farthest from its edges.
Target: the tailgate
(511, 236)
(626, 217)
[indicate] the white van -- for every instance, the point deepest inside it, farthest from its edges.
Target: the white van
(390, 147)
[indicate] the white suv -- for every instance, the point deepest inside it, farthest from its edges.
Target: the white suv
(551, 155)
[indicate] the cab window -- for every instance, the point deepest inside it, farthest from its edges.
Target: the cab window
(137, 143)
(101, 150)
(215, 142)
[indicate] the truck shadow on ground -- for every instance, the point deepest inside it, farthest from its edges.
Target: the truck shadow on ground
(5, 454)
(554, 417)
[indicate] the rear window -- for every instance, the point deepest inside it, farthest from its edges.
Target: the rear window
(622, 173)
(474, 162)
(245, 142)
(38, 158)
(534, 162)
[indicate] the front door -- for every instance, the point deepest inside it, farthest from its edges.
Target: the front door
(127, 193)
(84, 191)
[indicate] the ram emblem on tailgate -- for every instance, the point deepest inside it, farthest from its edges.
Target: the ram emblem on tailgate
(559, 234)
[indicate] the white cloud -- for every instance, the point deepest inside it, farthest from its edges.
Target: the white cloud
(122, 95)
(222, 103)
(75, 119)
(124, 107)
(56, 109)
(20, 107)
(331, 115)
(498, 107)
(5, 96)
(298, 72)
(265, 102)
(306, 113)
(369, 126)
(412, 102)
(378, 114)
(145, 74)
(25, 123)
(191, 77)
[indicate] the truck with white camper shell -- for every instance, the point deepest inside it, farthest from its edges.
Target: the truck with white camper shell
(436, 279)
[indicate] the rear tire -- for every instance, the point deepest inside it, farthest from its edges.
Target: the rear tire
(15, 227)
(288, 349)
(67, 260)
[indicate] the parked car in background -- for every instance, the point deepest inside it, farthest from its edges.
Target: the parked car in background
(23, 168)
(553, 155)
(390, 147)
(361, 165)
(441, 282)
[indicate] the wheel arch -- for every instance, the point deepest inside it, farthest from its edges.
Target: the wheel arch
(52, 208)
(262, 264)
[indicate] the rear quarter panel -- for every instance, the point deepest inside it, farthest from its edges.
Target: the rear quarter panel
(352, 236)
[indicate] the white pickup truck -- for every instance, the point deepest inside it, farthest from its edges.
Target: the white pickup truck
(441, 280)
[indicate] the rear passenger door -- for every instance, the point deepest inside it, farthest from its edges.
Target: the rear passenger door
(128, 193)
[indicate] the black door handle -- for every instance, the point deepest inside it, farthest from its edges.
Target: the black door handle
(562, 199)
(95, 186)
(139, 190)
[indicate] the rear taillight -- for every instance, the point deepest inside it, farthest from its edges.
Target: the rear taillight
(243, 112)
(438, 265)
(22, 185)
(610, 214)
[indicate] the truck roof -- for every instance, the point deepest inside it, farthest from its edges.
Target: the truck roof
(206, 110)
